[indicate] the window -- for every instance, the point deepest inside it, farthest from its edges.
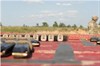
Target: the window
(23, 35)
(1, 35)
(31, 35)
(14, 35)
(6, 35)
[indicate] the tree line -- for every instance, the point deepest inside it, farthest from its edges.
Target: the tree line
(55, 24)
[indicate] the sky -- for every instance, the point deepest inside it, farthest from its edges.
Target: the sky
(30, 12)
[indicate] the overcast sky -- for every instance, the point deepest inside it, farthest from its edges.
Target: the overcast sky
(30, 12)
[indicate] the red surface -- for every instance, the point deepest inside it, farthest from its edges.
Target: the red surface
(47, 50)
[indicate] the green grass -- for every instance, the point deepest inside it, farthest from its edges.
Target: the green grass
(33, 29)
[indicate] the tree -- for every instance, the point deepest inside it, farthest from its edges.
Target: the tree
(45, 24)
(74, 26)
(55, 24)
(68, 26)
(62, 25)
(81, 26)
(99, 23)
(37, 24)
(0, 24)
(24, 25)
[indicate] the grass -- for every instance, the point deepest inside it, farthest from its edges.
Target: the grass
(34, 29)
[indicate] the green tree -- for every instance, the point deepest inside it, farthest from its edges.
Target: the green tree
(55, 24)
(0, 24)
(45, 24)
(74, 26)
(68, 26)
(24, 25)
(81, 26)
(99, 23)
(37, 24)
(62, 25)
